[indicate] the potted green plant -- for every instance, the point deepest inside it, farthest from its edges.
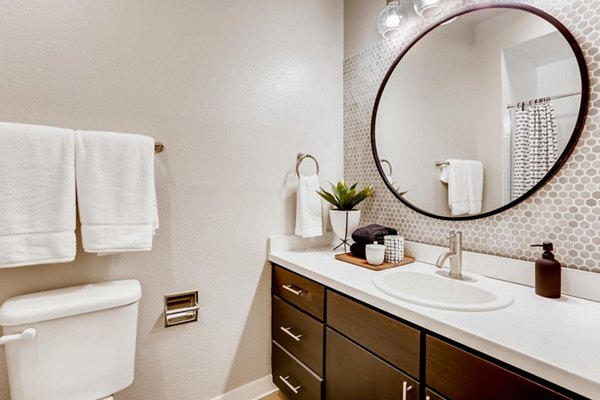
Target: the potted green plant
(344, 218)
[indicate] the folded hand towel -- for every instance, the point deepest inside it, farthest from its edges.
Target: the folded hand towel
(309, 222)
(37, 195)
(116, 193)
(358, 250)
(372, 233)
(465, 186)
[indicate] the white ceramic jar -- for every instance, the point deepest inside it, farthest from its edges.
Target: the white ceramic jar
(375, 253)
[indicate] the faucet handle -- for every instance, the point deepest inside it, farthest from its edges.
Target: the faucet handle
(454, 234)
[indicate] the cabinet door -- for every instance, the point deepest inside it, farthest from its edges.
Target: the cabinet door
(460, 375)
(431, 395)
(353, 373)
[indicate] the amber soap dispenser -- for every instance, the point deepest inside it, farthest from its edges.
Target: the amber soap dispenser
(547, 273)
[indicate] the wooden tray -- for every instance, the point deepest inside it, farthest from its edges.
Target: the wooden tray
(349, 258)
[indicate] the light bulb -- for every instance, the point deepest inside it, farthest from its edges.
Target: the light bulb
(390, 19)
(393, 21)
(428, 8)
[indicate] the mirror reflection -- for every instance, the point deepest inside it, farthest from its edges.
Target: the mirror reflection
(477, 112)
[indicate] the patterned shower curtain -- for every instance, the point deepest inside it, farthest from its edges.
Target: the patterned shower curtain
(535, 145)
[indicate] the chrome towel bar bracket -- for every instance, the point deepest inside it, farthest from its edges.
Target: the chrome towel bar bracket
(159, 147)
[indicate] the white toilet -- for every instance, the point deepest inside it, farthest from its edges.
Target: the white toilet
(75, 343)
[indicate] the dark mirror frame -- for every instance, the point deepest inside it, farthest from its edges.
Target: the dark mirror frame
(583, 107)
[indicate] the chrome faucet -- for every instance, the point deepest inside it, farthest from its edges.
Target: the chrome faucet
(454, 254)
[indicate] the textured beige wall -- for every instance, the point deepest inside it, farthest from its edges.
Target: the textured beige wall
(360, 28)
(234, 89)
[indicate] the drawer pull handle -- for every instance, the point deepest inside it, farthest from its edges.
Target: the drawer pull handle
(292, 388)
(405, 389)
(287, 330)
(290, 288)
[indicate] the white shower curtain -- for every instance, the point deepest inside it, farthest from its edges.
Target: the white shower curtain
(535, 145)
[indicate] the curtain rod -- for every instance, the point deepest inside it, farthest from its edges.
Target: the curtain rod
(560, 96)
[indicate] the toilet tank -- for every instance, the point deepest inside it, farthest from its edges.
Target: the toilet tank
(84, 348)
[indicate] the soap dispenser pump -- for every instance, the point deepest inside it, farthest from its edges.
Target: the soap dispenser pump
(547, 273)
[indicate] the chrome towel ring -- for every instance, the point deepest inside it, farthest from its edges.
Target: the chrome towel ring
(300, 157)
(388, 163)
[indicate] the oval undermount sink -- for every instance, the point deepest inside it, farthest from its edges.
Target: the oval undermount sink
(428, 288)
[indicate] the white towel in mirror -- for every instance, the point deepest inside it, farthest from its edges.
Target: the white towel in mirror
(465, 186)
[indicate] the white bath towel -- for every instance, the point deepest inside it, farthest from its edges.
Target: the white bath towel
(309, 221)
(465, 186)
(116, 193)
(37, 195)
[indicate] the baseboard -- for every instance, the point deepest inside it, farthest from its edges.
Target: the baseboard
(251, 391)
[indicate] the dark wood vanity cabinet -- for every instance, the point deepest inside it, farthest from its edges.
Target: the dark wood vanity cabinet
(458, 374)
(354, 373)
(431, 395)
(387, 338)
(369, 355)
(297, 330)
(327, 345)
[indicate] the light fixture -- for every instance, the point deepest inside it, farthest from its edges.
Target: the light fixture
(389, 21)
(428, 8)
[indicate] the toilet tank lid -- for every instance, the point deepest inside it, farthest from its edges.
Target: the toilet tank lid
(69, 301)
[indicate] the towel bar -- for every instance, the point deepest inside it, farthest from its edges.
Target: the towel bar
(300, 157)
(158, 147)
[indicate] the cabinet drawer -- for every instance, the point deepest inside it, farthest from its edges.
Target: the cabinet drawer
(391, 340)
(298, 290)
(458, 374)
(299, 334)
(292, 378)
(355, 374)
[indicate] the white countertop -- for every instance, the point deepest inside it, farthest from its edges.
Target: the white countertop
(555, 339)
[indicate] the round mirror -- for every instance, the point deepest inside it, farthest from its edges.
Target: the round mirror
(480, 111)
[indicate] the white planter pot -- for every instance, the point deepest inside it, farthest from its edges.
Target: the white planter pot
(338, 222)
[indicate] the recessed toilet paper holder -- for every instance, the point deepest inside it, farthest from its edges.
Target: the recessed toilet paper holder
(181, 308)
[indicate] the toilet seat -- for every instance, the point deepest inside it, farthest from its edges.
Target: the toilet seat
(107, 398)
